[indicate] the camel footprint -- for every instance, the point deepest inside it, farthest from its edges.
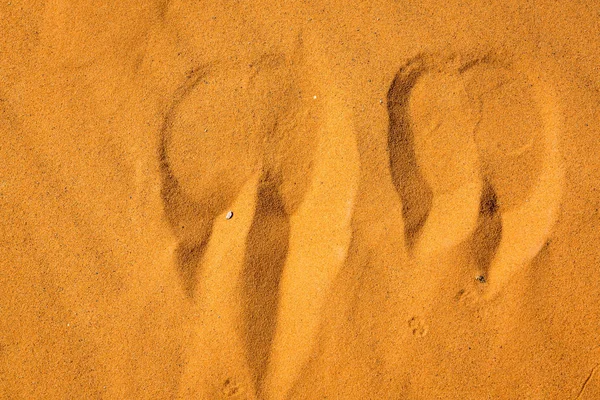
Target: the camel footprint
(261, 208)
(474, 157)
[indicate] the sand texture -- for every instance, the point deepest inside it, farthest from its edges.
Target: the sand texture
(299, 200)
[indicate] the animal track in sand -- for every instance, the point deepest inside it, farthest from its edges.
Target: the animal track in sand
(452, 163)
(418, 327)
(221, 190)
(473, 146)
(218, 132)
(230, 388)
(253, 138)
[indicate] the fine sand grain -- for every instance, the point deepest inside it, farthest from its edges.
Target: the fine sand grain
(314, 200)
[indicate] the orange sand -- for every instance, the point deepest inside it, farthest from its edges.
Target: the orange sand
(414, 189)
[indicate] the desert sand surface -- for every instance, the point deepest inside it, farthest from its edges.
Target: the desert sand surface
(228, 199)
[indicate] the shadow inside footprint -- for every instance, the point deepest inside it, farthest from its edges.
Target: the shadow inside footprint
(266, 250)
(189, 227)
(414, 192)
(486, 237)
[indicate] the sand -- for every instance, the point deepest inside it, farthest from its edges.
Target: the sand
(299, 200)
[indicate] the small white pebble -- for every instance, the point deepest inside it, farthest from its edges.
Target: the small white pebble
(315, 97)
(229, 215)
